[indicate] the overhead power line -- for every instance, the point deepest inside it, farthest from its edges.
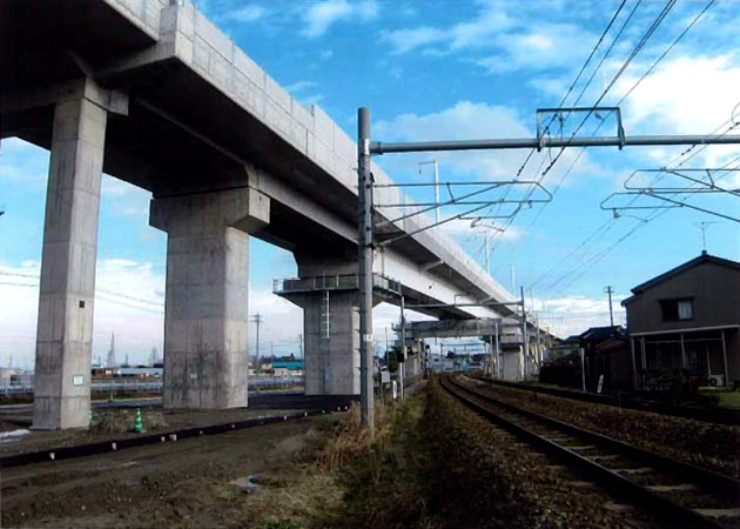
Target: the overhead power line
(619, 103)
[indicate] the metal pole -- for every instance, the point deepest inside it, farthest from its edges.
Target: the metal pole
(513, 281)
(525, 344)
(402, 367)
(583, 369)
(634, 363)
(724, 358)
(610, 290)
(538, 348)
(498, 352)
(257, 320)
(365, 269)
(535, 143)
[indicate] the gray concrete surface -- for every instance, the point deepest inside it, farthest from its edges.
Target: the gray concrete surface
(65, 317)
(206, 317)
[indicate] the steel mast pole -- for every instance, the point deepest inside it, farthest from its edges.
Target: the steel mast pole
(365, 269)
(402, 365)
(525, 344)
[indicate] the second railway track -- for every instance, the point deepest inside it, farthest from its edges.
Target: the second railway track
(681, 494)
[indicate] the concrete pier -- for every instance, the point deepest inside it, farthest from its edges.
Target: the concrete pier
(331, 327)
(67, 290)
(206, 306)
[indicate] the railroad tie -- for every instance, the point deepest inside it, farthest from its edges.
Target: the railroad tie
(671, 488)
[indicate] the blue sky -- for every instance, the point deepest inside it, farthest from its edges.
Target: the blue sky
(439, 70)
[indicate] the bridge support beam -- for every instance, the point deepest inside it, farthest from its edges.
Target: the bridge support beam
(67, 289)
(206, 305)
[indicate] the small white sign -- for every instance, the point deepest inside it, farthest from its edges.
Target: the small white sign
(78, 380)
(368, 338)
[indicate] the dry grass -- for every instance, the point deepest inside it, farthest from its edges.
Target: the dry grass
(351, 439)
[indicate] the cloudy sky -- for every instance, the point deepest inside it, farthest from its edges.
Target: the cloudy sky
(446, 70)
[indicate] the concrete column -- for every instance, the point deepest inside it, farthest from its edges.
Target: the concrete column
(67, 290)
(206, 306)
(331, 354)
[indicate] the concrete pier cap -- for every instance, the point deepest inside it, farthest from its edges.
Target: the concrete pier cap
(207, 289)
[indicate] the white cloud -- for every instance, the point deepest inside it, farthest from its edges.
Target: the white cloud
(130, 302)
(544, 47)
(299, 86)
(251, 13)
(687, 95)
(509, 40)
(574, 314)
(406, 40)
(321, 16)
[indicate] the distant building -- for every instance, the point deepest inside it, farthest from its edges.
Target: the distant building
(685, 323)
(606, 361)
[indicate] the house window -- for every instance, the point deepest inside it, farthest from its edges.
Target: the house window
(677, 309)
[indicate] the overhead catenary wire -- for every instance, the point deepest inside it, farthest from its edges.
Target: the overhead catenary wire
(637, 48)
(652, 67)
(497, 237)
(598, 256)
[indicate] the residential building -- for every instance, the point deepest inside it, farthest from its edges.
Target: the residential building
(685, 323)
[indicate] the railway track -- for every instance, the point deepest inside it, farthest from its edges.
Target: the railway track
(712, 415)
(683, 495)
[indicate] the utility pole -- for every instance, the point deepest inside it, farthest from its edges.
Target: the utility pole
(402, 366)
(525, 344)
(365, 269)
(258, 320)
(513, 279)
(703, 227)
(610, 290)
(300, 345)
(498, 351)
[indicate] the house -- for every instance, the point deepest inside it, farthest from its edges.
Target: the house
(684, 324)
(606, 363)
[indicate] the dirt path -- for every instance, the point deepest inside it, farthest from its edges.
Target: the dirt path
(184, 484)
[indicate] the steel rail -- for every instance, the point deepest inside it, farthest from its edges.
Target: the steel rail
(636, 494)
(113, 445)
(627, 401)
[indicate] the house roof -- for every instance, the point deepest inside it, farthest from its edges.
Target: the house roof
(701, 259)
(599, 334)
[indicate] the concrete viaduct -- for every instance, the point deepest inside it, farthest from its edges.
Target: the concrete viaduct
(151, 92)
